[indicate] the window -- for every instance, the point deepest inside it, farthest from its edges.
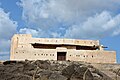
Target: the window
(52, 46)
(77, 55)
(90, 42)
(85, 48)
(92, 56)
(47, 40)
(44, 46)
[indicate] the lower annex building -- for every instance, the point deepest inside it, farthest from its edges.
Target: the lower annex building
(23, 46)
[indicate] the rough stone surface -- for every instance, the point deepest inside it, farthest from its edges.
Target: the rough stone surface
(77, 72)
(53, 70)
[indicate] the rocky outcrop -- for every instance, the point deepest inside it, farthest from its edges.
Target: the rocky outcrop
(77, 72)
(49, 70)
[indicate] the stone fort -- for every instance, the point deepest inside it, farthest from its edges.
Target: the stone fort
(24, 46)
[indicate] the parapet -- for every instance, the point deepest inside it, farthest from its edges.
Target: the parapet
(22, 35)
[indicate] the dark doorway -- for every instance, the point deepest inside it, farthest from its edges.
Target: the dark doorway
(61, 56)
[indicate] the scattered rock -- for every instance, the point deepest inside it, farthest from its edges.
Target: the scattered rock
(50, 70)
(77, 72)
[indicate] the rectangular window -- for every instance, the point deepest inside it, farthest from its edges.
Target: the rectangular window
(86, 48)
(48, 46)
(61, 56)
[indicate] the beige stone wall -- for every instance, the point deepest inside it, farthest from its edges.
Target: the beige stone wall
(35, 54)
(73, 55)
(22, 49)
(23, 39)
(95, 56)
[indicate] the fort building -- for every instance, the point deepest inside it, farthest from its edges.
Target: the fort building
(24, 46)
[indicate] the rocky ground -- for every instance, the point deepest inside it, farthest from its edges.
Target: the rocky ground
(57, 70)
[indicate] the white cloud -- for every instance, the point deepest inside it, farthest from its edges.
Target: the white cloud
(55, 34)
(29, 31)
(97, 26)
(33, 32)
(7, 29)
(50, 16)
(116, 32)
(7, 26)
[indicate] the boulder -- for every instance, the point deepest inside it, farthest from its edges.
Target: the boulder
(77, 72)
(42, 64)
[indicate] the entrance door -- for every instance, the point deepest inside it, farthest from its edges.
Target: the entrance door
(61, 56)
